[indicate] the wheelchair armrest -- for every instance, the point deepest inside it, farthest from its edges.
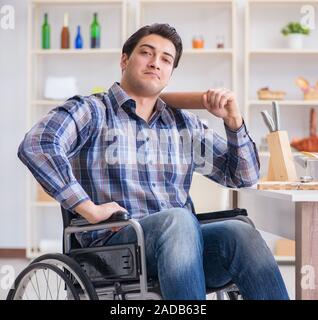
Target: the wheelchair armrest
(117, 216)
(235, 214)
(225, 214)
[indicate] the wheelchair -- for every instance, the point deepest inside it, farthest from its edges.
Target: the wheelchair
(115, 272)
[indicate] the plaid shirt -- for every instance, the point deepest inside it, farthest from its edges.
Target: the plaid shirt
(98, 148)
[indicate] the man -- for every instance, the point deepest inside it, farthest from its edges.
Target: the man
(121, 151)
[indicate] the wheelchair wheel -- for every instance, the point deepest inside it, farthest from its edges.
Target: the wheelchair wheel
(233, 295)
(74, 271)
(42, 281)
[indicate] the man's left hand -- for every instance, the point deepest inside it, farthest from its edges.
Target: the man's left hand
(222, 104)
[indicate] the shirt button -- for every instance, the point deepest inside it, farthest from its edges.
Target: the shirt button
(153, 184)
(147, 139)
(163, 204)
(244, 136)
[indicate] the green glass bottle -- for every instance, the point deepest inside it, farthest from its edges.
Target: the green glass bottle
(95, 33)
(46, 33)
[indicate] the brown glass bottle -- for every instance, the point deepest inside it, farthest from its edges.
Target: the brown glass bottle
(65, 35)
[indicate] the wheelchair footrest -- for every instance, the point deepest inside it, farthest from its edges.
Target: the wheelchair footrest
(109, 264)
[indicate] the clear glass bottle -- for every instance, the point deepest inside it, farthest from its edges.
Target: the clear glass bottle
(220, 42)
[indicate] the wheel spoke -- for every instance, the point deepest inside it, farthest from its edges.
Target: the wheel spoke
(27, 298)
(58, 288)
(34, 287)
(37, 284)
(48, 285)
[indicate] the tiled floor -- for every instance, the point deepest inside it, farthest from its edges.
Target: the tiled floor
(8, 265)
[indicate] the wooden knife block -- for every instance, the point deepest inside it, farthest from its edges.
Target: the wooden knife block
(281, 163)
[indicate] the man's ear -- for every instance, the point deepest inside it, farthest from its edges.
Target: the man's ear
(123, 61)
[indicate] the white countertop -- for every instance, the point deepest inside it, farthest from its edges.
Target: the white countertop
(290, 195)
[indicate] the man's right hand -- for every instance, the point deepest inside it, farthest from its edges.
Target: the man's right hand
(94, 213)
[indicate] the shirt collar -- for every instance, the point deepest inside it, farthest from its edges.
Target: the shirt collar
(119, 98)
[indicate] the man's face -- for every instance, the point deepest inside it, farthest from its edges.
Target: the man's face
(150, 65)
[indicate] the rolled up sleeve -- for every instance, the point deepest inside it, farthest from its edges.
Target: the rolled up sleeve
(234, 161)
(48, 146)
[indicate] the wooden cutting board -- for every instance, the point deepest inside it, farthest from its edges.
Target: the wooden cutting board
(282, 185)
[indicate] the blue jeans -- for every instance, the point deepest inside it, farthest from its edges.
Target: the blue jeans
(188, 257)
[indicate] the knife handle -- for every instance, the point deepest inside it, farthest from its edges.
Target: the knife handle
(313, 122)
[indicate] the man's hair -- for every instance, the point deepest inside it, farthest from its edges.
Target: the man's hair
(163, 30)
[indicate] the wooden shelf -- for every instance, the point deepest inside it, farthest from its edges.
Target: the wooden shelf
(46, 204)
(75, 51)
(281, 1)
(284, 102)
(208, 51)
(268, 54)
(290, 260)
(47, 102)
(75, 1)
(282, 51)
(188, 1)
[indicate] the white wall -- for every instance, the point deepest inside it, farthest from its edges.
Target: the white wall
(13, 125)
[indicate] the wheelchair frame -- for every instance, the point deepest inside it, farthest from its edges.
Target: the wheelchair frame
(118, 289)
(141, 255)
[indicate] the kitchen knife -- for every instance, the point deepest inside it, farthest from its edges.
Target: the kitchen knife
(276, 115)
(268, 120)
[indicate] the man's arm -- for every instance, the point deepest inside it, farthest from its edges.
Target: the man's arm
(48, 145)
(220, 102)
(46, 149)
(236, 163)
(232, 163)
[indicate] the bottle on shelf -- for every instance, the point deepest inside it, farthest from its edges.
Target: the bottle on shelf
(220, 42)
(198, 42)
(46, 33)
(78, 39)
(65, 35)
(95, 32)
